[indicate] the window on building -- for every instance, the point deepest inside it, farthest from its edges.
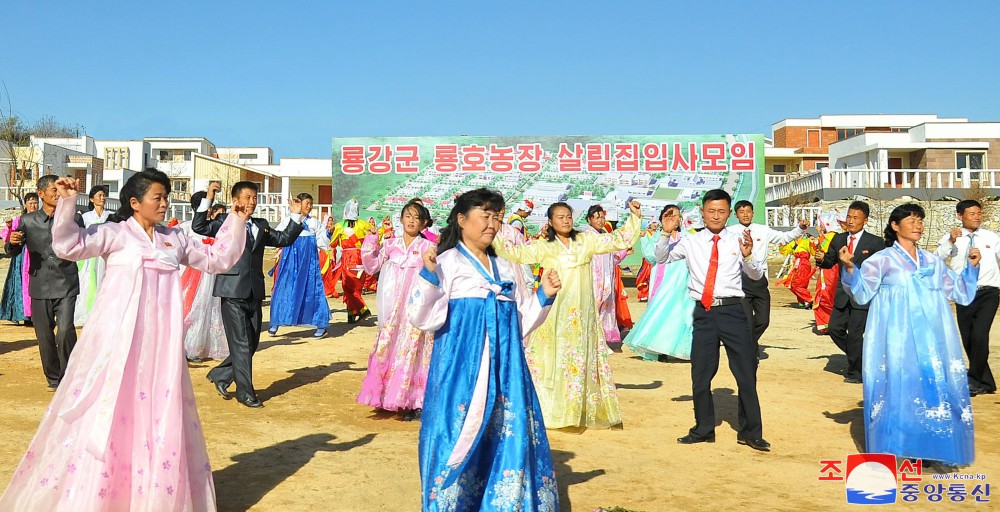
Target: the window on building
(970, 160)
(247, 156)
(778, 168)
(822, 165)
(164, 156)
(846, 133)
(112, 187)
(187, 155)
(179, 185)
(899, 130)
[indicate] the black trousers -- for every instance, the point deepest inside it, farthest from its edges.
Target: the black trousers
(727, 324)
(756, 305)
(56, 334)
(241, 318)
(847, 328)
(974, 322)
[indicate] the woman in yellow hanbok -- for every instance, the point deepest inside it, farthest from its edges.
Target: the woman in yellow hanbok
(568, 354)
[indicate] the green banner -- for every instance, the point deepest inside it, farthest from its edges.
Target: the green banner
(383, 173)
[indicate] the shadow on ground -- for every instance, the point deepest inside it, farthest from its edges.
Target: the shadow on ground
(268, 467)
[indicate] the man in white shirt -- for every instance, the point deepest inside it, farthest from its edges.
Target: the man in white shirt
(976, 319)
(756, 295)
(716, 259)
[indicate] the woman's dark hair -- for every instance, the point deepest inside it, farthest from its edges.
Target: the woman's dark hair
(669, 207)
(594, 210)
(28, 197)
(303, 196)
(489, 200)
(898, 214)
(550, 232)
(136, 187)
(423, 214)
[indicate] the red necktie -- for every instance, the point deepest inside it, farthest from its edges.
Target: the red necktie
(850, 244)
(713, 268)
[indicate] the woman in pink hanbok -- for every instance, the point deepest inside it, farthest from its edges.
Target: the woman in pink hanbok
(397, 367)
(122, 431)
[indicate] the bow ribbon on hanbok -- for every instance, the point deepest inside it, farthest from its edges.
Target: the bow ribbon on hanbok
(103, 385)
(922, 308)
(483, 391)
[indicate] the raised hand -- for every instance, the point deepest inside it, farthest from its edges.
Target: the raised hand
(746, 244)
(671, 224)
(551, 283)
(974, 256)
(803, 224)
(430, 259)
(955, 234)
(213, 188)
(241, 210)
(635, 208)
(66, 187)
(846, 259)
(294, 205)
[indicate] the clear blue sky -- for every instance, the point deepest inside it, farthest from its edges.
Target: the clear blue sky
(291, 75)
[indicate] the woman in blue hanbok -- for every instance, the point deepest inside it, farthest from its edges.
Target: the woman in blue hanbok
(916, 393)
(666, 325)
(298, 297)
(482, 439)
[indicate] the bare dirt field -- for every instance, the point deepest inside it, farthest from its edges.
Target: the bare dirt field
(312, 448)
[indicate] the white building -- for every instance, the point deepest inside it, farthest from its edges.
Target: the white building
(252, 156)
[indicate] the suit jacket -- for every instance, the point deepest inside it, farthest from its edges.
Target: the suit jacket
(866, 245)
(51, 276)
(246, 278)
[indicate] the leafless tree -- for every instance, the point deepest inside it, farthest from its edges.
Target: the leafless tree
(15, 150)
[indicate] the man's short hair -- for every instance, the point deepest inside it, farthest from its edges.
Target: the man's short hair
(860, 206)
(966, 204)
(715, 195)
(743, 203)
(240, 186)
(45, 181)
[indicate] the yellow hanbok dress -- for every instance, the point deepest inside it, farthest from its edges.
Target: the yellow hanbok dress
(568, 354)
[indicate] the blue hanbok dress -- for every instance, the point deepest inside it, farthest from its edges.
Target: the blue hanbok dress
(482, 439)
(298, 297)
(666, 326)
(915, 387)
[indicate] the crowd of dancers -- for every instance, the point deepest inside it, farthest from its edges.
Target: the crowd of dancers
(486, 333)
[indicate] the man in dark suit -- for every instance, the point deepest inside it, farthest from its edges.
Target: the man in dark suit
(242, 288)
(54, 284)
(848, 319)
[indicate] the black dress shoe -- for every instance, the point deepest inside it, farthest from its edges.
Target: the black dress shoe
(692, 439)
(251, 401)
(756, 444)
(852, 380)
(220, 388)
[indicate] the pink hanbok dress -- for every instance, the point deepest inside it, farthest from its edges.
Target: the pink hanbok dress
(397, 367)
(603, 266)
(122, 431)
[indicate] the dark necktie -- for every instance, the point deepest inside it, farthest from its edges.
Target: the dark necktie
(713, 267)
(250, 238)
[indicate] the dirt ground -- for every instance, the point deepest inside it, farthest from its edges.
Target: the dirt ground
(312, 448)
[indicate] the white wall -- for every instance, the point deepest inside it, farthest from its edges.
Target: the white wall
(961, 131)
(261, 155)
